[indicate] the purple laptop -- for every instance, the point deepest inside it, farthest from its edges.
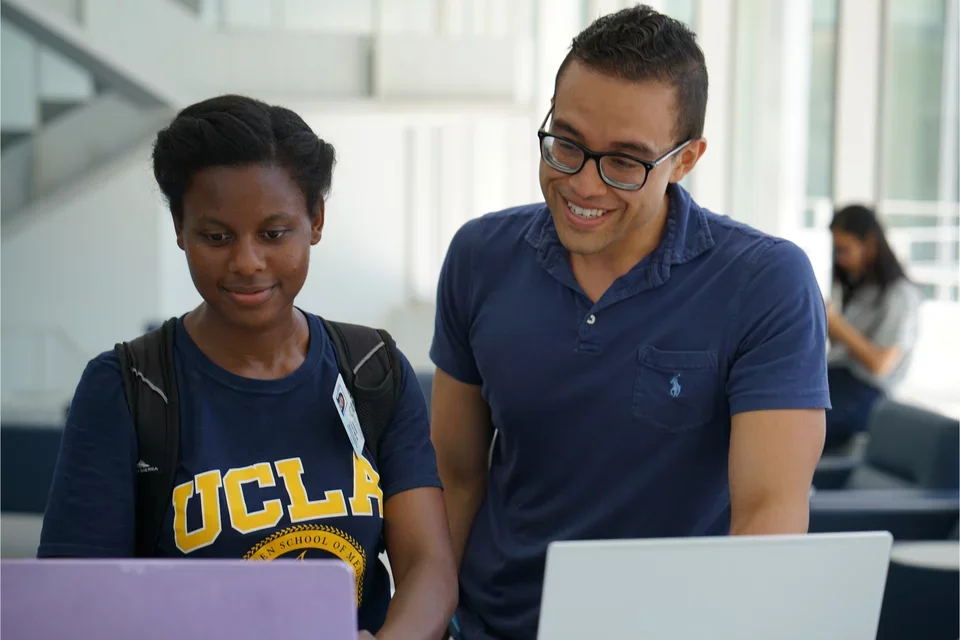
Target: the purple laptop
(177, 599)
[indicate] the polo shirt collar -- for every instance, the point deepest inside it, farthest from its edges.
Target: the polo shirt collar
(685, 237)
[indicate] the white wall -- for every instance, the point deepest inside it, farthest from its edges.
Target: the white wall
(233, 52)
(401, 168)
(79, 277)
(135, 38)
(858, 88)
(460, 68)
(101, 260)
(395, 171)
(427, 17)
(357, 271)
(257, 62)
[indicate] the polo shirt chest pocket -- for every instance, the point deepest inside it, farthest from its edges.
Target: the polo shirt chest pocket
(675, 390)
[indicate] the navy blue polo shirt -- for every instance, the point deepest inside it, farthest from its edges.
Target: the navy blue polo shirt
(613, 418)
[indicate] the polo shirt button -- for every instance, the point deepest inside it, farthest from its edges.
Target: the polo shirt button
(591, 319)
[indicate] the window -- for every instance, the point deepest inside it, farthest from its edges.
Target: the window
(917, 178)
(458, 167)
(927, 291)
(686, 12)
(912, 104)
(883, 130)
(923, 251)
(823, 58)
(682, 10)
(896, 220)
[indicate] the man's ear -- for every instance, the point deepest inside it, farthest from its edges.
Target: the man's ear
(689, 157)
(316, 224)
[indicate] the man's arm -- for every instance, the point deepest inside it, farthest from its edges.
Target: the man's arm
(461, 432)
(772, 459)
(778, 393)
(460, 426)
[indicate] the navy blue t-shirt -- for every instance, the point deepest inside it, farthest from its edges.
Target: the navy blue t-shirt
(613, 419)
(267, 470)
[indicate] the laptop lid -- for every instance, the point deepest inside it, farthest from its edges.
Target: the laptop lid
(723, 588)
(164, 599)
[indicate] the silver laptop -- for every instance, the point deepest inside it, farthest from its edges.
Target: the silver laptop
(798, 587)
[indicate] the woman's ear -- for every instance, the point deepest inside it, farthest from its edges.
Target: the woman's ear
(316, 224)
(178, 228)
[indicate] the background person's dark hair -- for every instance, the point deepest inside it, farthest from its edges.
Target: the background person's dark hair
(639, 44)
(235, 131)
(863, 223)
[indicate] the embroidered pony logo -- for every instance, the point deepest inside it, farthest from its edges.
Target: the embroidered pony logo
(675, 387)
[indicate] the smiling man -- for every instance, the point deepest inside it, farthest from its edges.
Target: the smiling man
(651, 368)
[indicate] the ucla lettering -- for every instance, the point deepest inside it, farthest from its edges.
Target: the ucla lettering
(243, 520)
(301, 508)
(248, 518)
(366, 488)
(207, 485)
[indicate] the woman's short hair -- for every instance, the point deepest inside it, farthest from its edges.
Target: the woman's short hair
(234, 130)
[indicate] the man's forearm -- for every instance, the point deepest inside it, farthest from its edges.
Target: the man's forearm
(772, 519)
(462, 500)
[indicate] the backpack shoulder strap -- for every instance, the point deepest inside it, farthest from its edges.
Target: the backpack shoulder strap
(150, 386)
(370, 366)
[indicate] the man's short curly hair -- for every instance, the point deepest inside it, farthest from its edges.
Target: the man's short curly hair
(639, 44)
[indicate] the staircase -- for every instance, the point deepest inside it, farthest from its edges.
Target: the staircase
(87, 83)
(85, 80)
(66, 109)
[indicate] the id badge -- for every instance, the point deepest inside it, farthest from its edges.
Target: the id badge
(348, 415)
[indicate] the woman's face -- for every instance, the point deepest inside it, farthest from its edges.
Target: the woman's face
(850, 253)
(247, 235)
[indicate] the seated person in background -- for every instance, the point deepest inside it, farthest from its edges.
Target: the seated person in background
(263, 450)
(871, 321)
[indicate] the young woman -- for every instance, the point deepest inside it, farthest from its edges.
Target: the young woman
(871, 320)
(264, 453)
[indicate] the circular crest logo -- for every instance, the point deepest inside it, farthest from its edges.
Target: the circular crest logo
(305, 541)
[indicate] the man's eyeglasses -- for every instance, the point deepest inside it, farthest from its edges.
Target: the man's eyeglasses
(619, 170)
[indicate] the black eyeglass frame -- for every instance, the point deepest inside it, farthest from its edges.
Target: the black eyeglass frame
(596, 157)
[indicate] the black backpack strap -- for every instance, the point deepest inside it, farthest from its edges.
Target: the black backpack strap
(150, 385)
(370, 366)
